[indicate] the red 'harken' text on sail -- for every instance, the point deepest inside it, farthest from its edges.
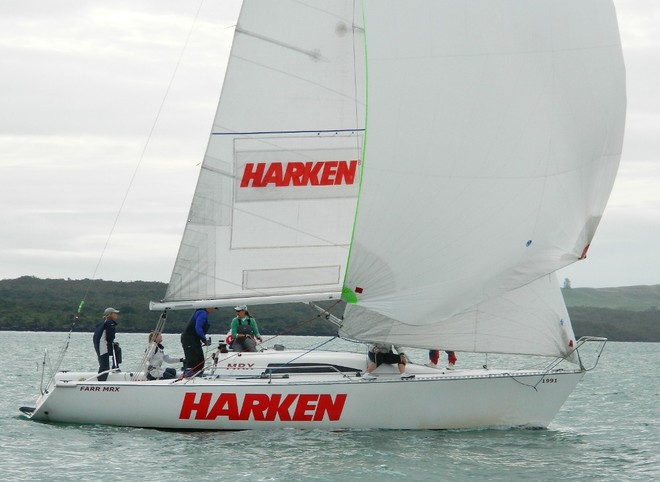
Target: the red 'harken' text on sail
(310, 173)
(304, 407)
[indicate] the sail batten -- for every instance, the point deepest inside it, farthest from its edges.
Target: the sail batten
(299, 131)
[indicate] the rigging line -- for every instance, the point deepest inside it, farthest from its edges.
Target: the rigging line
(544, 373)
(43, 373)
(60, 359)
(146, 144)
(298, 325)
(281, 333)
(151, 348)
(312, 349)
(131, 181)
(292, 329)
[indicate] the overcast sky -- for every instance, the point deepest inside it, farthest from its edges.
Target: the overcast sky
(83, 83)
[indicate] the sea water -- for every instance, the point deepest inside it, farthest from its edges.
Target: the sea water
(607, 430)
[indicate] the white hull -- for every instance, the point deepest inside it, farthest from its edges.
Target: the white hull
(434, 399)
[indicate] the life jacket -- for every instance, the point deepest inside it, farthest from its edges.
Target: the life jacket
(244, 329)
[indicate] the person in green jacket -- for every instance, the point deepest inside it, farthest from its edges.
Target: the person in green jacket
(244, 330)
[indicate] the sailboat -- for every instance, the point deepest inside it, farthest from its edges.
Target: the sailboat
(432, 164)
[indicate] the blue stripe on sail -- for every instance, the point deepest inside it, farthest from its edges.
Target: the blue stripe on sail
(336, 131)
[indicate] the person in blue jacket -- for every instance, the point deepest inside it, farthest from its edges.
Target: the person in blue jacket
(193, 338)
(104, 343)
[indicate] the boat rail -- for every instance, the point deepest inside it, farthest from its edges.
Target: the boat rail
(96, 375)
(286, 369)
(280, 371)
(587, 339)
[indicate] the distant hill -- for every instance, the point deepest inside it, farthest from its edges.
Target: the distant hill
(34, 304)
(628, 313)
(629, 298)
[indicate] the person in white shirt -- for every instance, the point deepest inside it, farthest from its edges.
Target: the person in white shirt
(155, 370)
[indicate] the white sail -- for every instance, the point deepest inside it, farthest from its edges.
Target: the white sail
(531, 320)
(492, 149)
(274, 206)
(483, 138)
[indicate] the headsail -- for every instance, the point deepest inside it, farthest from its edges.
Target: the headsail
(531, 320)
(499, 126)
(274, 206)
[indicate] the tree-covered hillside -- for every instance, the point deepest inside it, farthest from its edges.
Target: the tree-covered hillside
(28, 303)
(34, 304)
(627, 313)
(629, 298)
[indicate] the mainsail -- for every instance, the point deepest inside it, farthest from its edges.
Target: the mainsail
(436, 160)
(273, 210)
